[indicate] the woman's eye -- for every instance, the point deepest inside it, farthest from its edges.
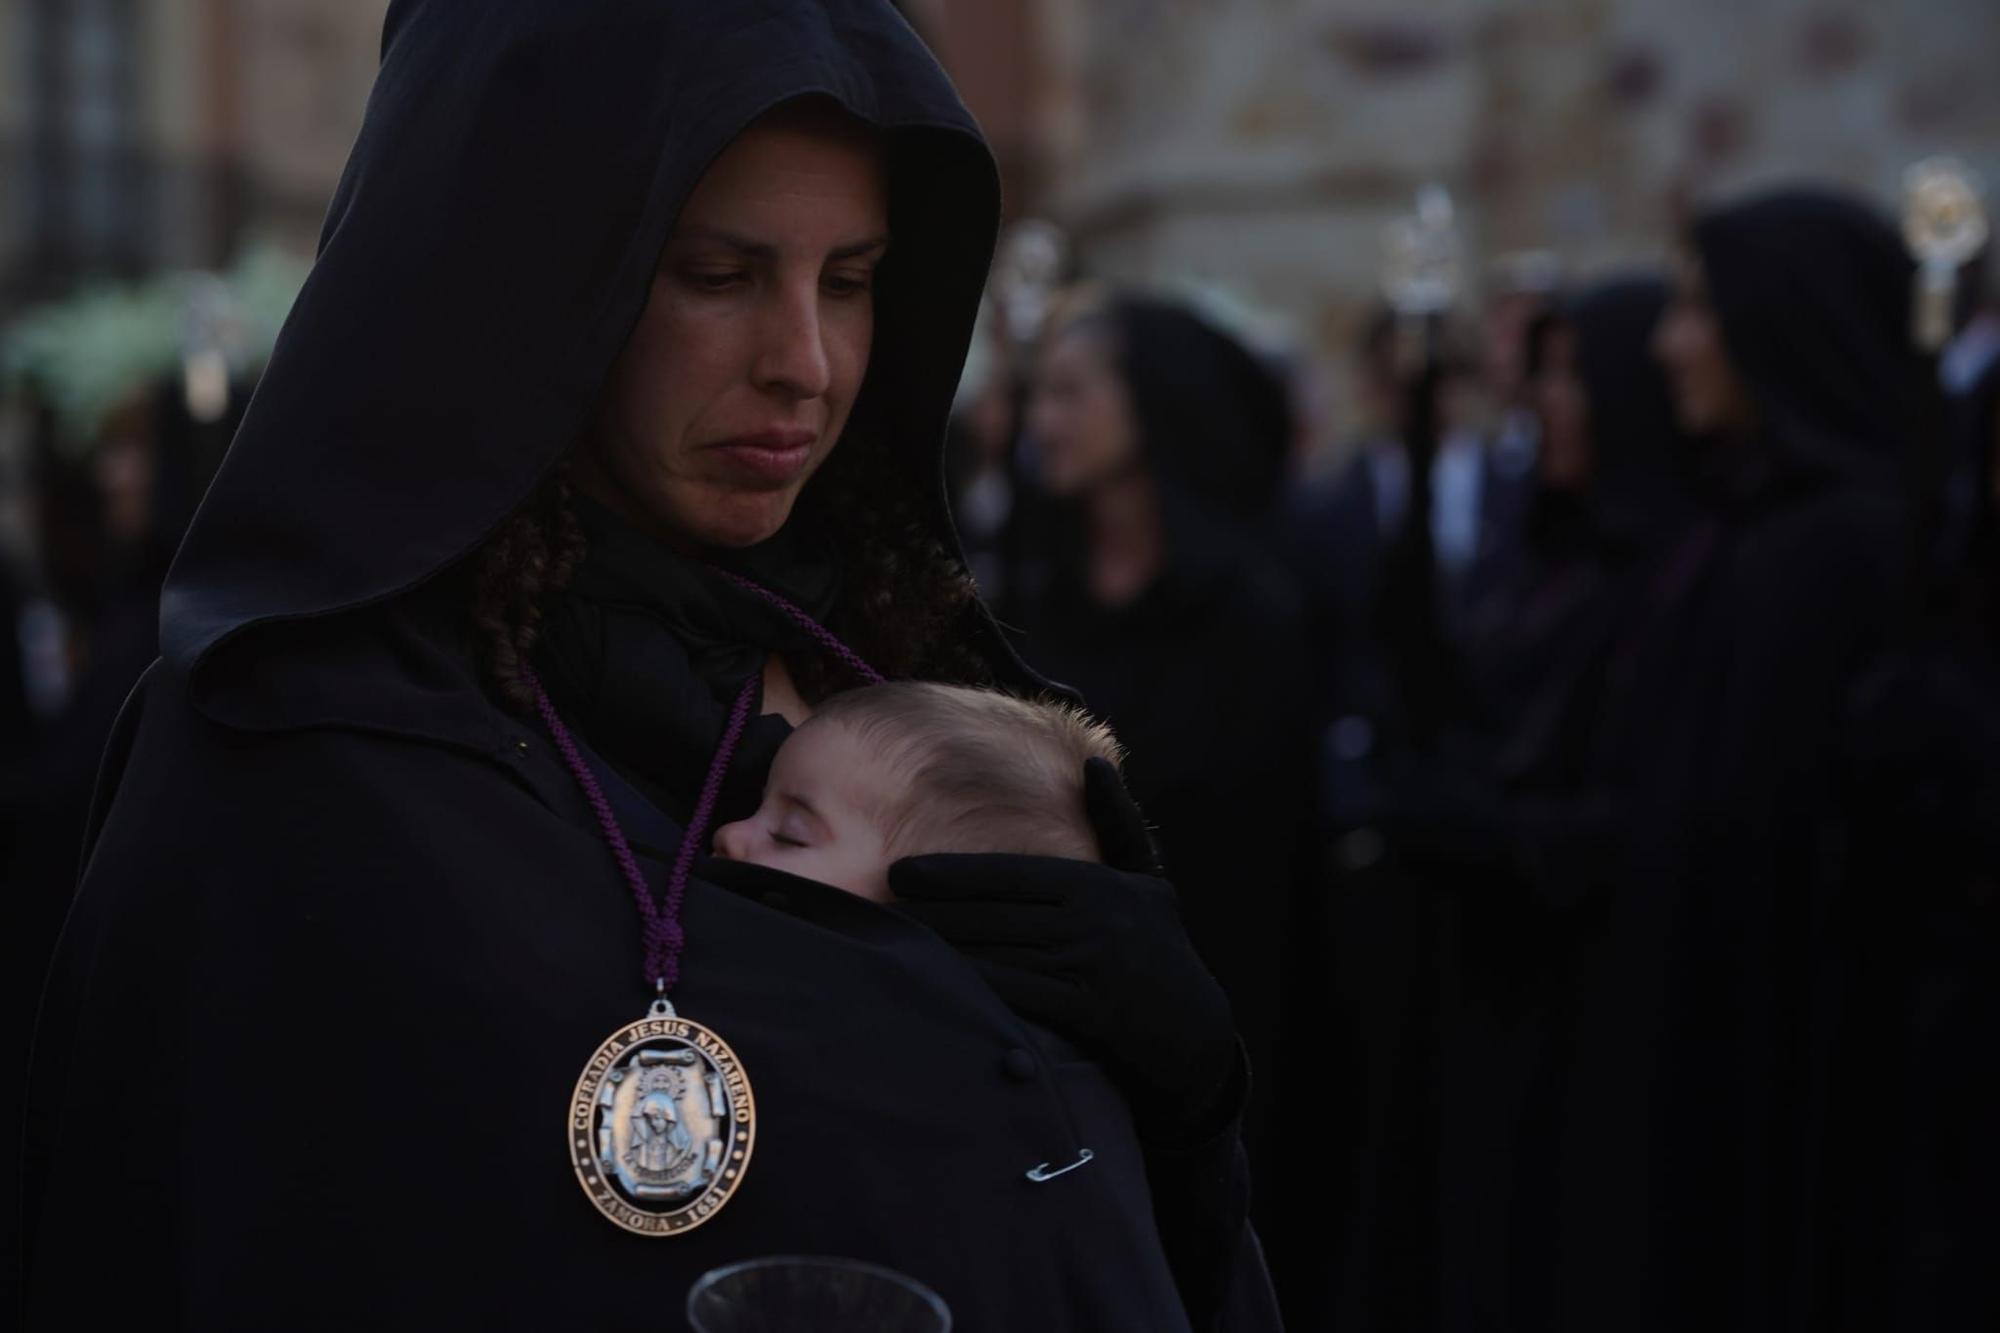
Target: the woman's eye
(848, 284)
(714, 280)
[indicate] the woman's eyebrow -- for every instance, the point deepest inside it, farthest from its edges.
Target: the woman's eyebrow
(856, 249)
(751, 248)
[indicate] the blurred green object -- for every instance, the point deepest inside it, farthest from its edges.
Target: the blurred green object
(86, 354)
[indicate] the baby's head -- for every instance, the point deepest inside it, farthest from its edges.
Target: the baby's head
(909, 768)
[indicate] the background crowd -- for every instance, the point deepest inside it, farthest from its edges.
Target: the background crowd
(1587, 792)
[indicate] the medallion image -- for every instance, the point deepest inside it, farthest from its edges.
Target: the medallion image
(661, 1126)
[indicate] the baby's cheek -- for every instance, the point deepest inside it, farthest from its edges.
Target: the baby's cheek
(854, 872)
(872, 883)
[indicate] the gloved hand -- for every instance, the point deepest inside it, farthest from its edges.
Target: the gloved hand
(1096, 952)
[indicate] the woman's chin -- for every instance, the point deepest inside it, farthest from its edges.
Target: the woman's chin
(737, 522)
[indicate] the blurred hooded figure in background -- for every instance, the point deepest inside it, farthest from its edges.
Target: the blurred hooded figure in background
(1524, 845)
(1612, 486)
(1700, 1111)
(1914, 1064)
(108, 525)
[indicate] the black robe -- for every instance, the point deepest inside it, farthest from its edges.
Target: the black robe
(348, 931)
(1698, 1109)
(1910, 1222)
(1524, 839)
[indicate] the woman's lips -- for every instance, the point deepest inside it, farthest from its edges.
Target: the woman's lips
(768, 458)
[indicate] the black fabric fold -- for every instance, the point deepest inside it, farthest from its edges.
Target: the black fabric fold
(648, 649)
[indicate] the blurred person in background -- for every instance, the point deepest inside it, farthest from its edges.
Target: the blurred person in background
(1376, 716)
(1523, 290)
(1688, 1196)
(979, 456)
(1338, 534)
(1611, 485)
(1966, 368)
(108, 516)
(1974, 348)
(1521, 840)
(1163, 443)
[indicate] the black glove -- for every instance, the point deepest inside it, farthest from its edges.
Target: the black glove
(1095, 952)
(1123, 840)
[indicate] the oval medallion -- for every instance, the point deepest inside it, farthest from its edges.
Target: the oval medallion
(661, 1126)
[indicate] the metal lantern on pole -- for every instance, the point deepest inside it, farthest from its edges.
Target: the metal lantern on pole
(1944, 224)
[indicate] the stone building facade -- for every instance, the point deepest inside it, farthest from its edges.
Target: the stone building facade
(1263, 144)
(1258, 146)
(139, 135)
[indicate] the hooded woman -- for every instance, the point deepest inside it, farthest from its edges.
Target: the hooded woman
(1688, 1199)
(1528, 839)
(1162, 442)
(1611, 487)
(602, 441)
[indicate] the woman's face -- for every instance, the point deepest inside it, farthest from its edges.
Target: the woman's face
(1708, 396)
(1563, 406)
(1081, 416)
(734, 386)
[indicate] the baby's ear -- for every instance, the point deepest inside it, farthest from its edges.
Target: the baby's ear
(1122, 836)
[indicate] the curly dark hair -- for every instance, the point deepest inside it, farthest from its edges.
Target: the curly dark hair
(907, 604)
(516, 575)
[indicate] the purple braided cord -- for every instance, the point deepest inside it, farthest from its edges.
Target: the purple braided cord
(825, 637)
(665, 938)
(662, 933)
(621, 850)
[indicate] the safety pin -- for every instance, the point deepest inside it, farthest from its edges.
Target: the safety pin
(1042, 1175)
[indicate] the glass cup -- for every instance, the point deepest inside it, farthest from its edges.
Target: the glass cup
(809, 1294)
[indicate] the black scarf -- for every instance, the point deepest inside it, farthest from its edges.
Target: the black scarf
(648, 649)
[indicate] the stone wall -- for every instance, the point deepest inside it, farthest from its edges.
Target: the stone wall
(1254, 145)
(1260, 145)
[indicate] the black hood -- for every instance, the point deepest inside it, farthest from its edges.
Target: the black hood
(1640, 459)
(1214, 421)
(1813, 290)
(489, 249)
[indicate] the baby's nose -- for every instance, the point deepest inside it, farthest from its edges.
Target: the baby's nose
(732, 840)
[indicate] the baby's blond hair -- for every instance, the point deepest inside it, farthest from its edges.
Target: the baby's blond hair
(980, 771)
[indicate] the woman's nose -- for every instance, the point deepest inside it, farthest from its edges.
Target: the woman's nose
(792, 358)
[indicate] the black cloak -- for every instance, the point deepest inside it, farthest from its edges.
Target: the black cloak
(1526, 841)
(1540, 644)
(110, 591)
(1699, 1112)
(348, 931)
(1913, 1229)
